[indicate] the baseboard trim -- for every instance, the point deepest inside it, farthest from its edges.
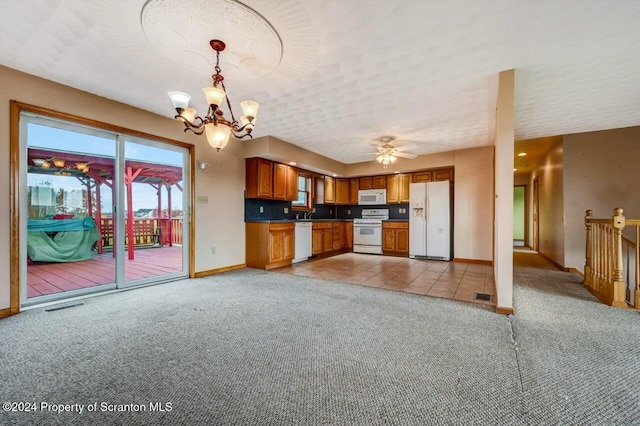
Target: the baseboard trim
(219, 270)
(5, 312)
(575, 271)
(475, 261)
(504, 310)
(556, 264)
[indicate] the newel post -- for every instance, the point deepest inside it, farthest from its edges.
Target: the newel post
(587, 251)
(618, 285)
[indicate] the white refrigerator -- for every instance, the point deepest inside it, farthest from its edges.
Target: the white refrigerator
(429, 220)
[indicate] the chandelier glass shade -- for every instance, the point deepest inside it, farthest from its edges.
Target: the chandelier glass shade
(216, 127)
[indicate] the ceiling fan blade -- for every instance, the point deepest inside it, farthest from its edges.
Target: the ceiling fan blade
(407, 147)
(405, 155)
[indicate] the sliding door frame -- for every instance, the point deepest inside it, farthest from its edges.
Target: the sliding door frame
(17, 177)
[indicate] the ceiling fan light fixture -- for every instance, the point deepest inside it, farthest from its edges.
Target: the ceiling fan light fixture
(217, 128)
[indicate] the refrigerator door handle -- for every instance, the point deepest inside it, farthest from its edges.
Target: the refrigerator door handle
(426, 209)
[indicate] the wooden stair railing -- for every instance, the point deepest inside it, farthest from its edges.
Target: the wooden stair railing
(612, 268)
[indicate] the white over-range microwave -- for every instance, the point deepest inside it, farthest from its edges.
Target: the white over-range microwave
(372, 197)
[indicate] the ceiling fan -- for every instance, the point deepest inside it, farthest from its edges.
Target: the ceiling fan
(388, 153)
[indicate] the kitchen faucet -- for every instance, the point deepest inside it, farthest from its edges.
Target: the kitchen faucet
(307, 215)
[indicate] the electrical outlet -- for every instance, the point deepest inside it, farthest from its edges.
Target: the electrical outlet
(349, 212)
(213, 250)
(286, 210)
(261, 209)
(202, 199)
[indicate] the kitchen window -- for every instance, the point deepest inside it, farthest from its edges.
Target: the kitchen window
(304, 193)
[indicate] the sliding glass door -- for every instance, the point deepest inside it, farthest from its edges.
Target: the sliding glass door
(153, 210)
(103, 210)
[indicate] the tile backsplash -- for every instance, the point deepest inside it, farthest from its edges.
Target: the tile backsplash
(275, 210)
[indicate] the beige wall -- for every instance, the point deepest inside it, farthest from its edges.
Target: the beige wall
(219, 223)
(504, 143)
(473, 204)
(600, 173)
(551, 195)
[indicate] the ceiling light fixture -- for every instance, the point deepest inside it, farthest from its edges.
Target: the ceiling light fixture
(214, 125)
(388, 154)
(386, 157)
(522, 154)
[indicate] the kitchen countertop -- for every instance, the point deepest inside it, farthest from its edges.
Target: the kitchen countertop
(296, 220)
(313, 220)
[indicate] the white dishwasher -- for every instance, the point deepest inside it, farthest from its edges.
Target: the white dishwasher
(303, 247)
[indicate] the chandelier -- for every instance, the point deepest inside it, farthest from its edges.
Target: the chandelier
(215, 125)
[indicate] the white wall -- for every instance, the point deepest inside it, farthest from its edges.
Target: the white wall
(219, 223)
(600, 173)
(551, 195)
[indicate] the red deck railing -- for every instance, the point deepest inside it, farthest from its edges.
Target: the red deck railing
(146, 231)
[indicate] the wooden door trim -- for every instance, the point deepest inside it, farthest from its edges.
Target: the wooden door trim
(15, 109)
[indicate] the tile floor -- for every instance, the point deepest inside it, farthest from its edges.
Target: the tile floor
(449, 280)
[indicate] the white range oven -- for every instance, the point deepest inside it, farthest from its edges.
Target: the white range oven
(367, 231)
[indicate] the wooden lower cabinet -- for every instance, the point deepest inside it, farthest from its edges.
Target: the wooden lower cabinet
(331, 237)
(322, 237)
(338, 235)
(269, 245)
(395, 238)
(348, 233)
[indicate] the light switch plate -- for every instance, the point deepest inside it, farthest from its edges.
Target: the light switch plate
(202, 199)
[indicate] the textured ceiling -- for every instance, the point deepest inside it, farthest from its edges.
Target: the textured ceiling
(353, 70)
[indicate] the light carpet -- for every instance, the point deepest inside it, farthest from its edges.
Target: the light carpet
(252, 347)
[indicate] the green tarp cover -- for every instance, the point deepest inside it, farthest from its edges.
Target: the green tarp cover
(64, 240)
(57, 225)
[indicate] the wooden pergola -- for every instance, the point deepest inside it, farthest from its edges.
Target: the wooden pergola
(100, 170)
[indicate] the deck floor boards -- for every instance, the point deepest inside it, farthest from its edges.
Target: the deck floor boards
(50, 278)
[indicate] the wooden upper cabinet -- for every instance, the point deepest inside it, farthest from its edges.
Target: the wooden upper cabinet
(403, 187)
(379, 182)
(292, 184)
(354, 186)
(423, 176)
(279, 181)
(342, 191)
(259, 178)
(329, 190)
(433, 175)
(398, 188)
(444, 174)
(366, 182)
(392, 189)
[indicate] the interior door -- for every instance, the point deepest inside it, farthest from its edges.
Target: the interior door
(536, 213)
